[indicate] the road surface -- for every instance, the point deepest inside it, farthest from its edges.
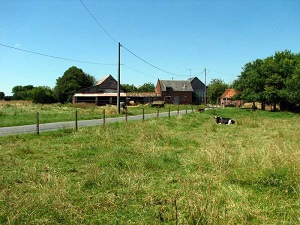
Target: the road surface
(5, 131)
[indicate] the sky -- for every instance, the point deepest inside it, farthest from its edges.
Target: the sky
(160, 39)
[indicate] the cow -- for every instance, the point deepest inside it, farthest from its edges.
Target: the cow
(222, 120)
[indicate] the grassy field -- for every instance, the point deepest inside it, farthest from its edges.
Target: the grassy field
(182, 170)
(15, 113)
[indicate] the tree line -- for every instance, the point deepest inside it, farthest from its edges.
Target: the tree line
(73, 79)
(272, 80)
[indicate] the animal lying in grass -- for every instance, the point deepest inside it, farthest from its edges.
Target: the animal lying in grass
(222, 120)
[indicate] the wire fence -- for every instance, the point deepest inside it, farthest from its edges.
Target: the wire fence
(125, 116)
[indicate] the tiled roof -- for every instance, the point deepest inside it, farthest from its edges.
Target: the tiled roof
(229, 93)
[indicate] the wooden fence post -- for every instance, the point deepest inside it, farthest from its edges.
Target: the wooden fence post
(169, 112)
(37, 123)
(143, 114)
(76, 121)
(103, 116)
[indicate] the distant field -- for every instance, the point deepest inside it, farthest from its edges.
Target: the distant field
(15, 113)
(182, 170)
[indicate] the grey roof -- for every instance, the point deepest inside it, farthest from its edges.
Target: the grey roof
(176, 85)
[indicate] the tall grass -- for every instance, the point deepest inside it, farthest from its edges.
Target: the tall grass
(182, 170)
(17, 113)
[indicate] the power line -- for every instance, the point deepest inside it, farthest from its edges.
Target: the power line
(56, 57)
(150, 64)
(222, 73)
(111, 37)
(138, 71)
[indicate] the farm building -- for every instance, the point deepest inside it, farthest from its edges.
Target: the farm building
(170, 91)
(105, 92)
(175, 91)
(226, 98)
(199, 90)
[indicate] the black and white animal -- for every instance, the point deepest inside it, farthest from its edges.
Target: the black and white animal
(222, 120)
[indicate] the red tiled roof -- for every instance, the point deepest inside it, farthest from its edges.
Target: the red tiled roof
(229, 93)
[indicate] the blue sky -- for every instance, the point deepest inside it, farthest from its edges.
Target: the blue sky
(182, 37)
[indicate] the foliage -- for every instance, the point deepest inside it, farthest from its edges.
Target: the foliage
(42, 95)
(147, 87)
(130, 88)
(22, 92)
(274, 79)
(73, 79)
(156, 172)
(215, 89)
(2, 95)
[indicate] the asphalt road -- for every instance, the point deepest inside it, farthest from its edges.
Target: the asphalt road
(6, 131)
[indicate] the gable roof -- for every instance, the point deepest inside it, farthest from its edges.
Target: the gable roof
(176, 85)
(229, 93)
(107, 84)
(104, 79)
(192, 78)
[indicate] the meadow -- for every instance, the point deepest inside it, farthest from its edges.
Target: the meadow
(179, 170)
(16, 113)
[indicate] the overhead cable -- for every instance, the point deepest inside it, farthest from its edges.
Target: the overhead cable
(111, 37)
(150, 64)
(222, 73)
(55, 57)
(138, 71)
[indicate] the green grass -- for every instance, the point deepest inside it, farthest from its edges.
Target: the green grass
(16, 114)
(182, 170)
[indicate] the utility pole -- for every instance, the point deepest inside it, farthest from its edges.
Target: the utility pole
(118, 83)
(205, 92)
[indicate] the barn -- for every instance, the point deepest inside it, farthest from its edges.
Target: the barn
(105, 92)
(199, 91)
(175, 91)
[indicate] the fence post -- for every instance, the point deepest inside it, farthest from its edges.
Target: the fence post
(76, 121)
(157, 112)
(37, 123)
(169, 112)
(143, 114)
(103, 116)
(185, 109)
(126, 114)
(178, 109)
(192, 108)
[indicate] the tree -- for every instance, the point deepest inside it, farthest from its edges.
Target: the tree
(215, 89)
(2, 95)
(274, 79)
(22, 92)
(129, 88)
(42, 95)
(250, 83)
(147, 87)
(73, 79)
